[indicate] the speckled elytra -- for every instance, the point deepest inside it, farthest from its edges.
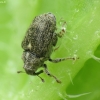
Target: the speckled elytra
(38, 45)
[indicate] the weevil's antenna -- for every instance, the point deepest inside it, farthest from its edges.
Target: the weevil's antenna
(20, 72)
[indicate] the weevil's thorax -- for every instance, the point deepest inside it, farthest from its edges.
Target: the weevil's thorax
(31, 62)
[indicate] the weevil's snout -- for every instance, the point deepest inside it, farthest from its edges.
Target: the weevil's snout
(29, 70)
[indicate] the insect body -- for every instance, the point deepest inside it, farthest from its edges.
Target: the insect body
(38, 45)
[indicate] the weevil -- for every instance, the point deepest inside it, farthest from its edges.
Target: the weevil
(38, 45)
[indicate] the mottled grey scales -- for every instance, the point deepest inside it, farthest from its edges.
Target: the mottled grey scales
(41, 36)
(38, 45)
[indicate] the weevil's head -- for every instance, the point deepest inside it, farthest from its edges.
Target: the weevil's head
(31, 62)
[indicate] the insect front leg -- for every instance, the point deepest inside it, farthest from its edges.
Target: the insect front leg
(37, 73)
(62, 59)
(48, 73)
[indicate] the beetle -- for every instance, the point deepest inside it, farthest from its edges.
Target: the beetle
(38, 45)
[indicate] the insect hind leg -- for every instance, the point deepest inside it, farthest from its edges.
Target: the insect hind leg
(62, 59)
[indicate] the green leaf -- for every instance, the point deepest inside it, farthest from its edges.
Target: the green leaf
(80, 78)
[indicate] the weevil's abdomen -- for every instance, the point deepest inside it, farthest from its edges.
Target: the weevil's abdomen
(40, 35)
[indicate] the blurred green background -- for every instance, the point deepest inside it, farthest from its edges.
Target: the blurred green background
(80, 78)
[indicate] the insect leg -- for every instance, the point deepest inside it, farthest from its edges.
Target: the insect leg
(55, 48)
(63, 28)
(62, 59)
(37, 73)
(41, 71)
(48, 73)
